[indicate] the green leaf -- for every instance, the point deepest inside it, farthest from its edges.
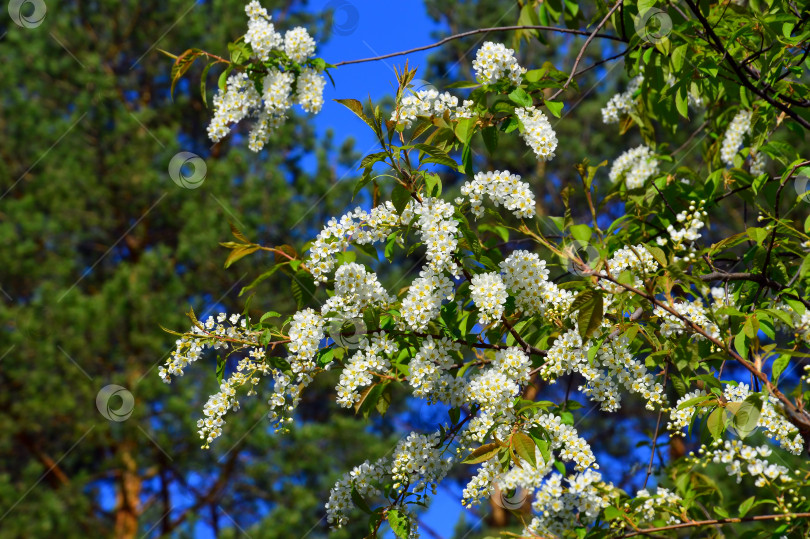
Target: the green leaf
(519, 97)
(269, 314)
(590, 305)
(266, 275)
(746, 506)
(682, 102)
(371, 159)
(433, 184)
(239, 252)
(400, 198)
(203, 81)
(465, 129)
(490, 136)
(356, 107)
(220, 369)
(302, 287)
(182, 64)
(555, 107)
(715, 423)
(400, 524)
(612, 513)
(524, 447)
(368, 400)
(483, 453)
(678, 56)
(779, 365)
(359, 502)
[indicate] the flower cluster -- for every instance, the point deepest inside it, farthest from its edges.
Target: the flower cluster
(241, 100)
(418, 462)
(364, 478)
(359, 372)
(622, 369)
(692, 310)
(758, 162)
(574, 447)
(562, 508)
(672, 325)
(489, 294)
(504, 189)
(494, 62)
(683, 238)
(306, 334)
(357, 226)
(636, 259)
(482, 483)
(635, 166)
(429, 374)
(525, 274)
(210, 334)
(424, 299)
(218, 404)
(622, 102)
(299, 45)
(355, 290)
(429, 103)
(664, 501)
(434, 221)
(776, 426)
(437, 230)
(494, 390)
(261, 35)
(537, 132)
(735, 133)
(740, 458)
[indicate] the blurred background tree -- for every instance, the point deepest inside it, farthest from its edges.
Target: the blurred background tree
(101, 247)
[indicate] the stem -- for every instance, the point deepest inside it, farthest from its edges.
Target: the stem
(696, 523)
(480, 31)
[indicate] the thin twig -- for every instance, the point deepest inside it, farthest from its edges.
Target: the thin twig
(585, 46)
(696, 523)
(479, 31)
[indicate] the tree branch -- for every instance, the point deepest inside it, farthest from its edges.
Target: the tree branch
(480, 31)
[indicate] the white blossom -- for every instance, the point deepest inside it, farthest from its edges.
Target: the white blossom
(494, 62)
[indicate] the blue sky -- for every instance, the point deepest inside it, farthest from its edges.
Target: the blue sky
(365, 29)
(377, 33)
